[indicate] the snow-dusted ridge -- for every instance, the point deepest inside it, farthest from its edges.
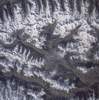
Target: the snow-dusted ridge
(70, 39)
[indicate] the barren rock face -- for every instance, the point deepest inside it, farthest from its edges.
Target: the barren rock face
(49, 49)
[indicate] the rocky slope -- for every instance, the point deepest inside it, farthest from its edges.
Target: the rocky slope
(49, 49)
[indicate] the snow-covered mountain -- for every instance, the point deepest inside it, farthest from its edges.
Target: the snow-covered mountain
(49, 49)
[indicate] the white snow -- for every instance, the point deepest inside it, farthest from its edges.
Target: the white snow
(33, 23)
(15, 55)
(84, 70)
(54, 83)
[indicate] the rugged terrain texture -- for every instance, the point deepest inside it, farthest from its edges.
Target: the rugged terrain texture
(49, 49)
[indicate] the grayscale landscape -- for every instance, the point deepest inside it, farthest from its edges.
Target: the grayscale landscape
(49, 49)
